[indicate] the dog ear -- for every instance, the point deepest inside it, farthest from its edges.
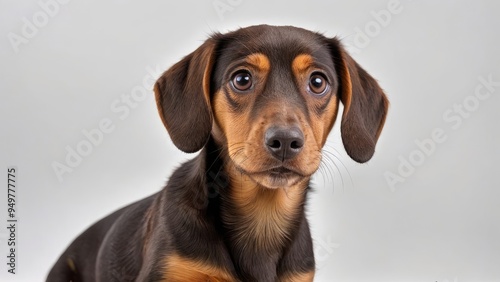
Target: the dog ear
(365, 105)
(183, 98)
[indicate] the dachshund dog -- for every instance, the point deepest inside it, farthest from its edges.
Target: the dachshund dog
(259, 103)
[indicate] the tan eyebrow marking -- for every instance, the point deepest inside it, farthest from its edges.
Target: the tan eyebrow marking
(260, 61)
(301, 63)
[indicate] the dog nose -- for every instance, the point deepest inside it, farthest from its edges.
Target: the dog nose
(284, 142)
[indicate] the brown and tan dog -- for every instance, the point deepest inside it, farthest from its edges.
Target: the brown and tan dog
(259, 102)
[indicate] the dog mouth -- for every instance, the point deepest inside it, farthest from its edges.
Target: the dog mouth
(280, 171)
(276, 177)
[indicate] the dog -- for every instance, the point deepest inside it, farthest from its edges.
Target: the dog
(259, 103)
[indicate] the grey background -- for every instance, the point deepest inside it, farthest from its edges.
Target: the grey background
(441, 224)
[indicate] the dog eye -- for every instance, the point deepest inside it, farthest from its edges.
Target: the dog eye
(242, 80)
(318, 84)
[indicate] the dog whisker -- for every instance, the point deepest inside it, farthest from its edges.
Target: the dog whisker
(333, 164)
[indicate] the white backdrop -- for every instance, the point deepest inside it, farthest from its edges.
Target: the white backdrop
(426, 208)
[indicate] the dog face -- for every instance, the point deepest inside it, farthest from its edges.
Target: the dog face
(274, 103)
(269, 96)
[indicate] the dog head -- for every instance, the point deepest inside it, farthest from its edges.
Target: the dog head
(269, 96)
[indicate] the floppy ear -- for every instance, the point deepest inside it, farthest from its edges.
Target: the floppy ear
(365, 105)
(183, 99)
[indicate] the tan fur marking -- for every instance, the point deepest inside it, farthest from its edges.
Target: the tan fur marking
(179, 269)
(224, 119)
(244, 138)
(264, 215)
(322, 125)
(298, 277)
(259, 61)
(232, 127)
(301, 64)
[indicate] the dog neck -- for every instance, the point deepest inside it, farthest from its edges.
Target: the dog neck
(262, 215)
(259, 222)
